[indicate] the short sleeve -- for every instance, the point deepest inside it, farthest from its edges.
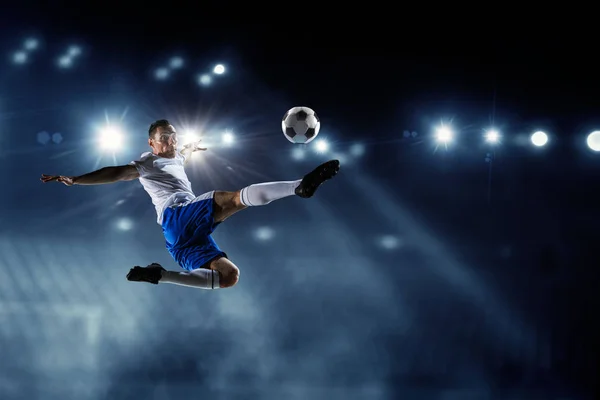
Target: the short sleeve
(144, 165)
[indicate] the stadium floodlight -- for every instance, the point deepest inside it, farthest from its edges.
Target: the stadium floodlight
(204, 80)
(539, 139)
(65, 61)
(298, 153)
(593, 141)
(111, 138)
(161, 73)
(31, 44)
(219, 69)
(227, 138)
(74, 51)
(357, 149)
(176, 62)
(19, 57)
(264, 233)
(189, 136)
(124, 224)
(492, 136)
(321, 146)
(444, 134)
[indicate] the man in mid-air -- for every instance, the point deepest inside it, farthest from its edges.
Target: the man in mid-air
(188, 220)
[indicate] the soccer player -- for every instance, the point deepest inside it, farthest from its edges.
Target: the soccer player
(188, 220)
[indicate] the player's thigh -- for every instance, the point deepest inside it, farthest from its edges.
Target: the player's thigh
(226, 204)
(230, 273)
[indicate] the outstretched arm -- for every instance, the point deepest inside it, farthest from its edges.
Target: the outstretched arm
(188, 149)
(102, 176)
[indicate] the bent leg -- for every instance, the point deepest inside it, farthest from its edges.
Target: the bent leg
(155, 274)
(220, 273)
(198, 278)
(198, 261)
(229, 273)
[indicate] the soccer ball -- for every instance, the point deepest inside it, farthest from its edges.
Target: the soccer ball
(300, 125)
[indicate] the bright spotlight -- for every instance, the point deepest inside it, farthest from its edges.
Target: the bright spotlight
(492, 136)
(19, 57)
(65, 62)
(124, 224)
(161, 73)
(228, 138)
(74, 51)
(297, 153)
(264, 233)
(219, 69)
(321, 146)
(204, 80)
(444, 134)
(189, 136)
(111, 138)
(539, 139)
(31, 44)
(357, 150)
(593, 141)
(390, 242)
(176, 62)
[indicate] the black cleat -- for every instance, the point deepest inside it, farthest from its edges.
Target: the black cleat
(314, 179)
(151, 274)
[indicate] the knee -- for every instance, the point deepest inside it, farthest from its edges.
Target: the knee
(230, 278)
(236, 199)
(228, 200)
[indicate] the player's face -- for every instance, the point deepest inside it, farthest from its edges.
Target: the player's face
(164, 141)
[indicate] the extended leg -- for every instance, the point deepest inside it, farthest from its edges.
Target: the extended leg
(260, 194)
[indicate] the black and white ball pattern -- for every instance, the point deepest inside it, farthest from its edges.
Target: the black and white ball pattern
(300, 125)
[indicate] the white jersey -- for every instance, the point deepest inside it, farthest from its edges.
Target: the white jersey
(165, 181)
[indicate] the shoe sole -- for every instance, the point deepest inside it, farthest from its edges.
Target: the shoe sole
(141, 278)
(130, 273)
(319, 175)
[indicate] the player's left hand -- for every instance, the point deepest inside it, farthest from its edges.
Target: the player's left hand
(194, 146)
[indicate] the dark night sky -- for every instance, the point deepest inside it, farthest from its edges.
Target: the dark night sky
(534, 67)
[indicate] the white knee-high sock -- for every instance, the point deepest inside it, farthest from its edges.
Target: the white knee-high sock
(198, 278)
(261, 194)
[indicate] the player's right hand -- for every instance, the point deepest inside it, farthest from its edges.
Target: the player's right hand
(67, 180)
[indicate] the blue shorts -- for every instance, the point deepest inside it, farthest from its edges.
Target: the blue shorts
(187, 231)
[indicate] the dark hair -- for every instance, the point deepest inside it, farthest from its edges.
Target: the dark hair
(161, 122)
